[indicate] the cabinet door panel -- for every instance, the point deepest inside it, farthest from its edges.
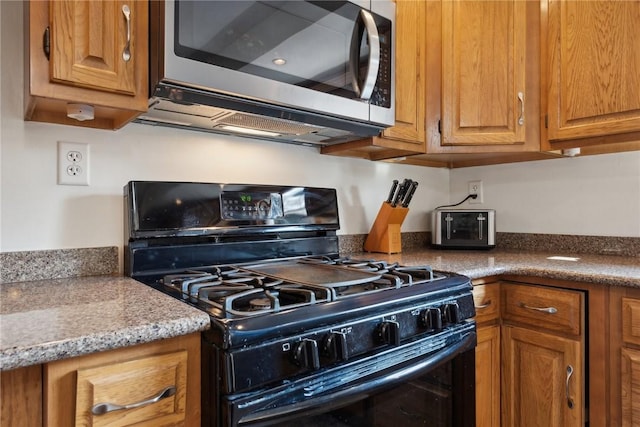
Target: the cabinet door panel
(630, 374)
(535, 379)
(88, 39)
(488, 377)
(483, 58)
(593, 68)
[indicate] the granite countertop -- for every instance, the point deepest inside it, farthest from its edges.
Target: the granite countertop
(610, 270)
(46, 320)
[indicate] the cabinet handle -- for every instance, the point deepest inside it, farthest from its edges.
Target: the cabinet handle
(521, 99)
(567, 390)
(485, 305)
(549, 310)
(103, 408)
(126, 53)
(46, 42)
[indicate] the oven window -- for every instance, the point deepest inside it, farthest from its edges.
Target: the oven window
(425, 401)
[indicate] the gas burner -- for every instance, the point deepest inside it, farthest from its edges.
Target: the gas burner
(260, 303)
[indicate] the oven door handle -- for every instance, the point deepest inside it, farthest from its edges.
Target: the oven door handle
(353, 392)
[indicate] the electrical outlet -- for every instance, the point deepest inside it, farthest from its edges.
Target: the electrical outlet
(475, 187)
(73, 163)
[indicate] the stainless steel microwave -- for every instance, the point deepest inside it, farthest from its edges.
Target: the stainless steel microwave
(309, 72)
(463, 229)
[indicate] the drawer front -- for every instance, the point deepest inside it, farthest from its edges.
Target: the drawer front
(487, 301)
(631, 320)
(136, 383)
(543, 307)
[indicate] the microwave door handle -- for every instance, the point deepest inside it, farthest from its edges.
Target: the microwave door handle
(373, 65)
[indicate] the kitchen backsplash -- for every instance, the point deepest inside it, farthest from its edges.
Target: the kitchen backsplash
(58, 263)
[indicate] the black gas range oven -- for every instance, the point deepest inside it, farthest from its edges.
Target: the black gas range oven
(300, 335)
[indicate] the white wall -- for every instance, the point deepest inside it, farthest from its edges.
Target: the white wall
(591, 195)
(38, 214)
(597, 195)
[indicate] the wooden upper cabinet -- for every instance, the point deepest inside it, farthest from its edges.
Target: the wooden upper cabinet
(592, 68)
(408, 135)
(92, 43)
(483, 79)
(410, 46)
(483, 69)
(77, 54)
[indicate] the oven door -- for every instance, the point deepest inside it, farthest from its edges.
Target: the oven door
(388, 389)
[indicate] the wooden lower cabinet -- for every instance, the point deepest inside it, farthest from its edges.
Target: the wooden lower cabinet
(542, 379)
(488, 377)
(21, 397)
(630, 387)
(128, 376)
(486, 299)
(63, 393)
(625, 356)
(531, 354)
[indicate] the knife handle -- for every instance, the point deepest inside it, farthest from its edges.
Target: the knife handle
(394, 186)
(407, 199)
(402, 191)
(399, 194)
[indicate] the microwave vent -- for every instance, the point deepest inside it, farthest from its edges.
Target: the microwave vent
(193, 110)
(280, 126)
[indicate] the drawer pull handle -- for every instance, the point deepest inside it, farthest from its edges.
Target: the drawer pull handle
(485, 305)
(567, 388)
(103, 408)
(549, 310)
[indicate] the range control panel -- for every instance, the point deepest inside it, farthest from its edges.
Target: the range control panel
(250, 205)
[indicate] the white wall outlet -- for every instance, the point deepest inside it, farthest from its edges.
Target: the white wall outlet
(475, 187)
(73, 163)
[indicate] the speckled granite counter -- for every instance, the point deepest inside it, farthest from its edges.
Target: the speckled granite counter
(603, 269)
(47, 320)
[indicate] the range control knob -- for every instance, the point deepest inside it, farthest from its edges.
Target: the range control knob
(431, 319)
(305, 353)
(335, 346)
(452, 313)
(389, 332)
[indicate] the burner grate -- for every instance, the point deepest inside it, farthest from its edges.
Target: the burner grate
(256, 289)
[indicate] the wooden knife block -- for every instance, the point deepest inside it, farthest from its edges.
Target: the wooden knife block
(384, 236)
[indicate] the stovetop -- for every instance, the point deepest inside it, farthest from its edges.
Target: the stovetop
(233, 291)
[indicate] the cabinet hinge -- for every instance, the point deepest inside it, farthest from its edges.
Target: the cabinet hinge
(546, 121)
(46, 42)
(439, 127)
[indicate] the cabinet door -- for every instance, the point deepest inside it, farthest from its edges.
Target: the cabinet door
(593, 68)
(409, 67)
(630, 374)
(488, 377)
(483, 72)
(92, 44)
(21, 397)
(538, 389)
(85, 41)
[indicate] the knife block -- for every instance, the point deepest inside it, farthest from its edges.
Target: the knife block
(384, 236)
